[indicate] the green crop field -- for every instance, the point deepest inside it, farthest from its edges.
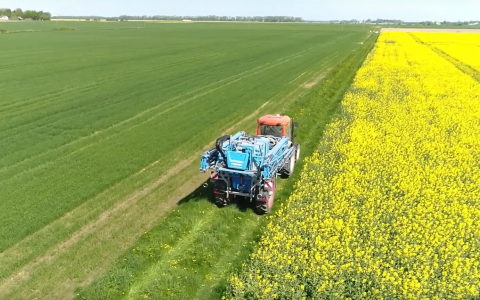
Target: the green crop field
(102, 126)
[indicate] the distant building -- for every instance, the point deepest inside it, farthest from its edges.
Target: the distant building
(3, 18)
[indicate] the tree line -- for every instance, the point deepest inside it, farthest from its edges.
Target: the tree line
(27, 14)
(460, 23)
(194, 18)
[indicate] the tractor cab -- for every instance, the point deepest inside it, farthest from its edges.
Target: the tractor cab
(276, 125)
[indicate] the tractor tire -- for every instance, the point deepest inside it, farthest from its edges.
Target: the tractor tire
(288, 170)
(220, 195)
(263, 208)
(221, 201)
(297, 152)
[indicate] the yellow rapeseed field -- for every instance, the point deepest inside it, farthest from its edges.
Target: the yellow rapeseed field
(389, 205)
(463, 47)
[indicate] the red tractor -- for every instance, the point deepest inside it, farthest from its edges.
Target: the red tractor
(248, 166)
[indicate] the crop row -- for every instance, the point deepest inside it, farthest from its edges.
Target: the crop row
(388, 207)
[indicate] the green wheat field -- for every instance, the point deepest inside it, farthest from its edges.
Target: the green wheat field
(102, 126)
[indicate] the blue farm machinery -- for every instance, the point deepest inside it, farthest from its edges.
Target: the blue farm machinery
(248, 165)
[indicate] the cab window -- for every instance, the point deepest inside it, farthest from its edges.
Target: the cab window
(288, 131)
(271, 130)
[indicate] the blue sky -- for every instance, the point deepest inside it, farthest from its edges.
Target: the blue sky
(407, 10)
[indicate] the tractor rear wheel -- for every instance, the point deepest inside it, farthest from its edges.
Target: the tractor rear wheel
(287, 171)
(221, 200)
(220, 194)
(297, 153)
(264, 205)
(261, 207)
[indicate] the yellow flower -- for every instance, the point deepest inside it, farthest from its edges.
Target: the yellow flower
(389, 203)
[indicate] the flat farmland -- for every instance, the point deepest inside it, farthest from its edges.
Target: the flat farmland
(102, 127)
